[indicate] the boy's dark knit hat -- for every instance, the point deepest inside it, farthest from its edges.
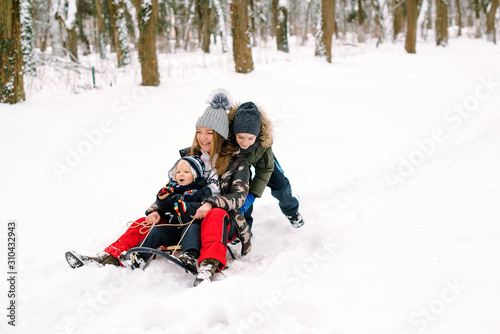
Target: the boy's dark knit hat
(215, 116)
(247, 119)
(197, 167)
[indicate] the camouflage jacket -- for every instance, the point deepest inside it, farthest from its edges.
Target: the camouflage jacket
(233, 185)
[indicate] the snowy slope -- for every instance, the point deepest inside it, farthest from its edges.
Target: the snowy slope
(395, 158)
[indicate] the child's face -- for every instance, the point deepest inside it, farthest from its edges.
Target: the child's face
(183, 175)
(245, 140)
(204, 136)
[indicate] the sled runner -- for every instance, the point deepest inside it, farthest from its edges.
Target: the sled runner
(76, 260)
(167, 254)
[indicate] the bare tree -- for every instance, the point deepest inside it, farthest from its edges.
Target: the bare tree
(306, 27)
(100, 28)
(490, 22)
(117, 10)
(11, 55)
(397, 11)
(221, 26)
(411, 26)
(205, 10)
(242, 51)
(459, 17)
(327, 27)
(66, 15)
(422, 16)
(147, 16)
(280, 20)
(377, 20)
(442, 22)
(360, 18)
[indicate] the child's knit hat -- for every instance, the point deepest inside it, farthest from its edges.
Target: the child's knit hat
(215, 116)
(247, 119)
(197, 167)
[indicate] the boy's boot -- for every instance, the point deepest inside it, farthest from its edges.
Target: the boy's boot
(296, 220)
(189, 258)
(207, 270)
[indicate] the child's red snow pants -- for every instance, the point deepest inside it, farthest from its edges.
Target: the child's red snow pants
(131, 238)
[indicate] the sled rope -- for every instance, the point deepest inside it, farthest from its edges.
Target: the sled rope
(183, 234)
(145, 228)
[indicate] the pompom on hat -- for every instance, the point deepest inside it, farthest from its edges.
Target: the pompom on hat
(215, 116)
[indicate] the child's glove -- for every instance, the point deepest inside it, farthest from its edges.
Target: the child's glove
(165, 191)
(180, 207)
(248, 201)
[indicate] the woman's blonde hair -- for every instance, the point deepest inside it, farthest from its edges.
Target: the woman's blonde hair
(221, 148)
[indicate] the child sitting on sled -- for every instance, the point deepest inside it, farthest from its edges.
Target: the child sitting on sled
(175, 204)
(252, 132)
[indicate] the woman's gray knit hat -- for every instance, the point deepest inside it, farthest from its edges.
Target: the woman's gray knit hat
(215, 116)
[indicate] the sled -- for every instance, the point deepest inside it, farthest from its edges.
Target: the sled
(166, 254)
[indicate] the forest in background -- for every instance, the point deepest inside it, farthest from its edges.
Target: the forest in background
(61, 32)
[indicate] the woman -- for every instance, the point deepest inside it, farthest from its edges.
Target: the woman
(227, 174)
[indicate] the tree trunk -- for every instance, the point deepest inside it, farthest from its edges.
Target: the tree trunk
(360, 18)
(120, 35)
(459, 17)
(477, 21)
(100, 28)
(191, 14)
(328, 26)
(242, 51)
(45, 29)
(306, 28)
(422, 15)
(147, 16)
(27, 37)
(206, 20)
(253, 26)
(442, 22)
(11, 55)
(280, 20)
(398, 17)
(411, 27)
(70, 26)
(377, 20)
(221, 26)
(490, 22)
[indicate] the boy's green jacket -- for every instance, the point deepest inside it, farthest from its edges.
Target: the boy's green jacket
(262, 158)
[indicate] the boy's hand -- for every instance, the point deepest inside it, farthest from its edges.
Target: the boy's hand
(248, 202)
(165, 191)
(180, 207)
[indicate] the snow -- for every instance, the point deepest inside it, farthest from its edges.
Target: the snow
(395, 158)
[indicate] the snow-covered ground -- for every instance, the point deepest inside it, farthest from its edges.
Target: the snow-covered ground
(396, 159)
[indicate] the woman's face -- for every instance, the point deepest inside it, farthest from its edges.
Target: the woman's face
(204, 137)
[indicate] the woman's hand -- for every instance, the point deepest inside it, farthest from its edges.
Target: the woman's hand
(153, 218)
(202, 211)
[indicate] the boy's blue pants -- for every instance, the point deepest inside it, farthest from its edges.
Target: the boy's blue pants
(281, 190)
